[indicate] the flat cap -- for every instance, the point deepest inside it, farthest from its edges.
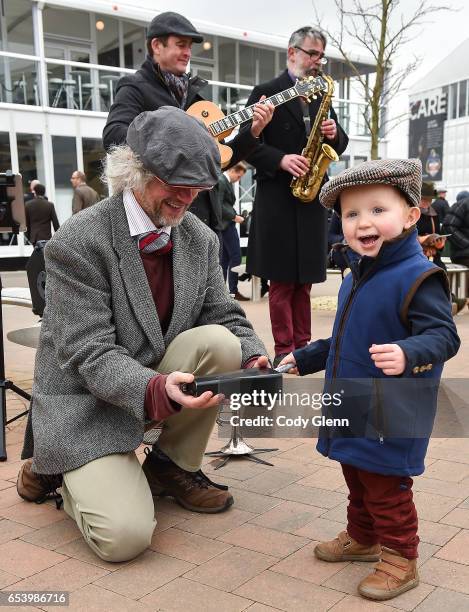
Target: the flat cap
(168, 23)
(405, 174)
(175, 147)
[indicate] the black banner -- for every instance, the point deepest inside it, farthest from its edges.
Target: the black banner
(428, 112)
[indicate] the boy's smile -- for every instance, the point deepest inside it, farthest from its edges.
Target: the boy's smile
(372, 214)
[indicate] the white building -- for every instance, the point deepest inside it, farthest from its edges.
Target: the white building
(60, 62)
(439, 121)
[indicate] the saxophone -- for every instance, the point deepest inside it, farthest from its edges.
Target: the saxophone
(319, 155)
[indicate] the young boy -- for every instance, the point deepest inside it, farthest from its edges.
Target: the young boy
(393, 321)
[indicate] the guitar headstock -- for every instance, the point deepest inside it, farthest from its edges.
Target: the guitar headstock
(308, 87)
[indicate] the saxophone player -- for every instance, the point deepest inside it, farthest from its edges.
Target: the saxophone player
(288, 238)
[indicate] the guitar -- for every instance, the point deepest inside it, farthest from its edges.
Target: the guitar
(220, 126)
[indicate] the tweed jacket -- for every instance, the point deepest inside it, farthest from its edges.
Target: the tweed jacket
(100, 333)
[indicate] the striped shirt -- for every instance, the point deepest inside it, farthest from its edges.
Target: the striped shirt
(138, 220)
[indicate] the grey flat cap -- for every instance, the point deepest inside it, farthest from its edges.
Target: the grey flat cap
(168, 23)
(175, 147)
(405, 174)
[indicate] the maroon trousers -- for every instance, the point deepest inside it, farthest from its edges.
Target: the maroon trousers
(290, 315)
(381, 510)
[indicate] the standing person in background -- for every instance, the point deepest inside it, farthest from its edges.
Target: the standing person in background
(40, 213)
(83, 195)
(31, 195)
(440, 204)
(457, 224)
(231, 248)
(288, 239)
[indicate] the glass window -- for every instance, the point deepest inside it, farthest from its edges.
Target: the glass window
(17, 26)
(66, 23)
(93, 153)
(18, 81)
(5, 153)
(255, 65)
(30, 158)
(203, 50)
(107, 39)
(134, 45)
(64, 152)
(227, 60)
(462, 112)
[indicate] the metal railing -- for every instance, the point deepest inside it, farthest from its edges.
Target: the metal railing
(80, 86)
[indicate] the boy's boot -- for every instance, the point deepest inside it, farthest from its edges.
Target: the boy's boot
(393, 575)
(345, 548)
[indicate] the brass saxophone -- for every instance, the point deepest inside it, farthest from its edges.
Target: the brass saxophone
(319, 155)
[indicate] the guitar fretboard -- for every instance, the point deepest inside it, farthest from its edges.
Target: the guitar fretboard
(237, 118)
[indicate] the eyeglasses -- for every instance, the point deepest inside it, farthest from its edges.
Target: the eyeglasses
(313, 54)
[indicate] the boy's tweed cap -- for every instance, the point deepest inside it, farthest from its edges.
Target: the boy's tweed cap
(405, 174)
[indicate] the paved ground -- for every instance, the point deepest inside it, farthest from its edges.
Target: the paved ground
(257, 556)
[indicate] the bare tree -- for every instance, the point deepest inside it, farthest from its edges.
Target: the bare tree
(383, 28)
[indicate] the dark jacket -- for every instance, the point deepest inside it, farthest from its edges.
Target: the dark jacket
(457, 224)
(227, 198)
(442, 208)
(398, 297)
(40, 213)
(287, 238)
(83, 197)
(146, 90)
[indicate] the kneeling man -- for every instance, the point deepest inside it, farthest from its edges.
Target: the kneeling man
(134, 285)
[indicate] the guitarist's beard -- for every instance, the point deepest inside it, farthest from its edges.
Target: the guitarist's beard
(301, 73)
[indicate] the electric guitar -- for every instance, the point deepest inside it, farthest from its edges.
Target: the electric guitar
(221, 126)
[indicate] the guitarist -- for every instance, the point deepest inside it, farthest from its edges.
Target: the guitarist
(161, 81)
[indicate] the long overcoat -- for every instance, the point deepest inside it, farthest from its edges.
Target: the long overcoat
(287, 239)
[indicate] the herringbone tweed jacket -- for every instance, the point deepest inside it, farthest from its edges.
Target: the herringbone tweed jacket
(100, 333)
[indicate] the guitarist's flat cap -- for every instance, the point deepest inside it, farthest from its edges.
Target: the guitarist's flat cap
(175, 147)
(168, 23)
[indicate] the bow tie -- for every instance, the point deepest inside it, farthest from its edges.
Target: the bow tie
(150, 242)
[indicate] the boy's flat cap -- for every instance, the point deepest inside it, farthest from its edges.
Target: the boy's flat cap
(405, 174)
(175, 147)
(168, 23)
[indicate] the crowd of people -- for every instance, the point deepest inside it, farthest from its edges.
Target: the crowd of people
(137, 306)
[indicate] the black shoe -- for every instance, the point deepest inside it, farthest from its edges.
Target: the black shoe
(278, 358)
(264, 290)
(244, 277)
(238, 296)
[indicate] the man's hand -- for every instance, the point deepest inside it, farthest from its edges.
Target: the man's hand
(290, 359)
(173, 390)
(297, 165)
(262, 115)
(388, 357)
(239, 219)
(329, 129)
(262, 362)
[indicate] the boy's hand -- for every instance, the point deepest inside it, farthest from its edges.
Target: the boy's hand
(388, 357)
(289, 359)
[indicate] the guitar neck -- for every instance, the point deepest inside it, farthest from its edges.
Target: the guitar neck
(239, 117)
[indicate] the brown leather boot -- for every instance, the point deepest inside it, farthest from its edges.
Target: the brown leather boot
(393, 575)
(192, 490)
(345, 548)
(37, 487)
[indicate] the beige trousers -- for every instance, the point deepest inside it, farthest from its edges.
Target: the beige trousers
(109, 497)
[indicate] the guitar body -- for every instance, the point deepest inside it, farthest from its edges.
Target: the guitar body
(208, 113)
(216, 122)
